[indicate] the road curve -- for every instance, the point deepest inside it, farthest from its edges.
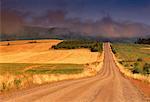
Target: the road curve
(107, 86)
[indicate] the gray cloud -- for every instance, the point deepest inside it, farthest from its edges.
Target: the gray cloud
(11, 21)
(14, 21)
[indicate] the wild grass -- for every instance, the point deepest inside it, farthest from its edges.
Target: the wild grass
(35, 74)
(133, 57)
(132, 52)
(19, 75)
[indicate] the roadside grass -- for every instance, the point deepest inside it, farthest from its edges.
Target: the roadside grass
(133, 56)
(19, 75)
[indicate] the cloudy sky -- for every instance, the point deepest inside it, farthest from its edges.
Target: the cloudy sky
(46, 12)
(134, 10)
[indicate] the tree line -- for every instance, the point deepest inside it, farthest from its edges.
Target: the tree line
(94, 46)
(143, 41)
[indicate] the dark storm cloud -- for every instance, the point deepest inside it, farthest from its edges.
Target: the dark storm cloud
(86, 16)
(106, 26)
(12, 21)
(51, 17)
(87, 9)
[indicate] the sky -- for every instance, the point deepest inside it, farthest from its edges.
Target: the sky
(133, 10)
(64, 12)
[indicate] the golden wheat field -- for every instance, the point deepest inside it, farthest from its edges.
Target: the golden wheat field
(28, 51)
(19, 58)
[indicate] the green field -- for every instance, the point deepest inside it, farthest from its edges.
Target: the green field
(135, 57)
(19, 68)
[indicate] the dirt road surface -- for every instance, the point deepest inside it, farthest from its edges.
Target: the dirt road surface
(107, 86)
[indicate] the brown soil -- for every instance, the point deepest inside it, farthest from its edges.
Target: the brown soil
(142, 86)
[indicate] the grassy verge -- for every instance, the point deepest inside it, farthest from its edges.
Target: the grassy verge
(92, 45)
(20, 75)
(133, 57)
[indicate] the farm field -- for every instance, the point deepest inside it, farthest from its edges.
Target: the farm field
(29, 68)
(105, 86)
(22, 75)
(135, 57)
(41, 52)
(35, 61)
